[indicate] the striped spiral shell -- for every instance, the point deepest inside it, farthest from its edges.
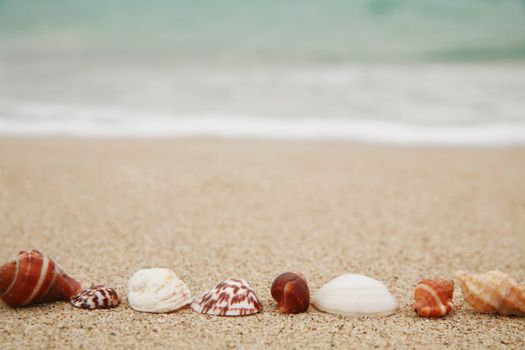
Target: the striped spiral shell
(492, 292)
(96, 297)
(32, 278)
(433, 297)
(229, 298)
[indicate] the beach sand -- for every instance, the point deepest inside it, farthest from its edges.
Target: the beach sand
(216, 209)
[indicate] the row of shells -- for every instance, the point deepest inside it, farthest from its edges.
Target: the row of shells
(32, 278)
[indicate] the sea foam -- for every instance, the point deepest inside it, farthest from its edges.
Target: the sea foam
(220, 126)
(410, 104)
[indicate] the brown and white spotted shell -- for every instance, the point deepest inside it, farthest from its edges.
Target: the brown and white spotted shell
(96, 297)
(32, 278)
(231, 297)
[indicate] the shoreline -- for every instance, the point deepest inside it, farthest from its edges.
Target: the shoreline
(243, 128)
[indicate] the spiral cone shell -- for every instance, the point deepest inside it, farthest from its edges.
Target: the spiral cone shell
(492, 292)
(32, 278)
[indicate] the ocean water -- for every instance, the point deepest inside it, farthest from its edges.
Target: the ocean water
(391, 71)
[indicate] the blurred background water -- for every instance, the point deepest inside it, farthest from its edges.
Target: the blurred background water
(408, 71)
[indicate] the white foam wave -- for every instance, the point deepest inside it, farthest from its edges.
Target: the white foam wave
(428, 104)
(375, 131)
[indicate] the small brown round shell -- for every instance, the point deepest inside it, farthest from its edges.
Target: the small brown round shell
(96, 297)
(291, 292)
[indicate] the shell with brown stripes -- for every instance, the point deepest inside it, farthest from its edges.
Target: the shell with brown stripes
(229, 298)
(32, 278)
(96, 297)
(433, 297)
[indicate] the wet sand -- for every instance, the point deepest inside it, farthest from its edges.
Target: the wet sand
(213, 209)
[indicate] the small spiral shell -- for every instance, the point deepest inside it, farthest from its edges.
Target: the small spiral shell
(433, 297)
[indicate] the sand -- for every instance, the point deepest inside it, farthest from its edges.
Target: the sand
(212, 209)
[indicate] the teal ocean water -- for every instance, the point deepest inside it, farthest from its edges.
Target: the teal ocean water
(305, 30)
(402, 71)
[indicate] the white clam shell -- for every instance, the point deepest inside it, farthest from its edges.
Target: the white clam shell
(157, 290)
(355, 295)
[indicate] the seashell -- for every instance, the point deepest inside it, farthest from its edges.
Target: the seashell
(96, 297)
(32, 278)
(157, 290)
(433, 297)
(229, 298)
(492, 292)
(291, 292)
(355, 295)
